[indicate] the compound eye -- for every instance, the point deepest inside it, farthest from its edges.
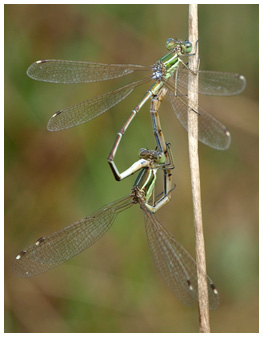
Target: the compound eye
(187, 47)
(161, 158)
(170, 44)
(142, 153)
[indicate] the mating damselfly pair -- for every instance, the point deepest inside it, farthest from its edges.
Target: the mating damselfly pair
(170, 74)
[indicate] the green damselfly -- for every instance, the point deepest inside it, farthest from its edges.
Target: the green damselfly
(174, 263)
(169, 71)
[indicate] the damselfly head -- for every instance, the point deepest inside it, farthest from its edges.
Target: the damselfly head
(174, 43)
(147, 154)
(184, 46)
(157, 156)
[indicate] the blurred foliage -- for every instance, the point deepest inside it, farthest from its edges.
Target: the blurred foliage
(53, 179)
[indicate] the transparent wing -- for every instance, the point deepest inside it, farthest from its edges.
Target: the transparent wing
(58, 247)
(62, 71)
(215, 82)
(210, 131)
(85, 111)
(175, 264)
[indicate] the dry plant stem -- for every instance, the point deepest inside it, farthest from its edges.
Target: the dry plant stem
(204, 325)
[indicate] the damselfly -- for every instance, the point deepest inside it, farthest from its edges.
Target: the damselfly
(174, 263)
(169, 71)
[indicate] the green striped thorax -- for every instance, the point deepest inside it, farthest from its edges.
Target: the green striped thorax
(165, 67)
(147, 177)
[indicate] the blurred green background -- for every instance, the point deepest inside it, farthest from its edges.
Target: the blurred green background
(53, 179)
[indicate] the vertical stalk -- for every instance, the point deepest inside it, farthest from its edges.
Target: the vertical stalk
(203, 303)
